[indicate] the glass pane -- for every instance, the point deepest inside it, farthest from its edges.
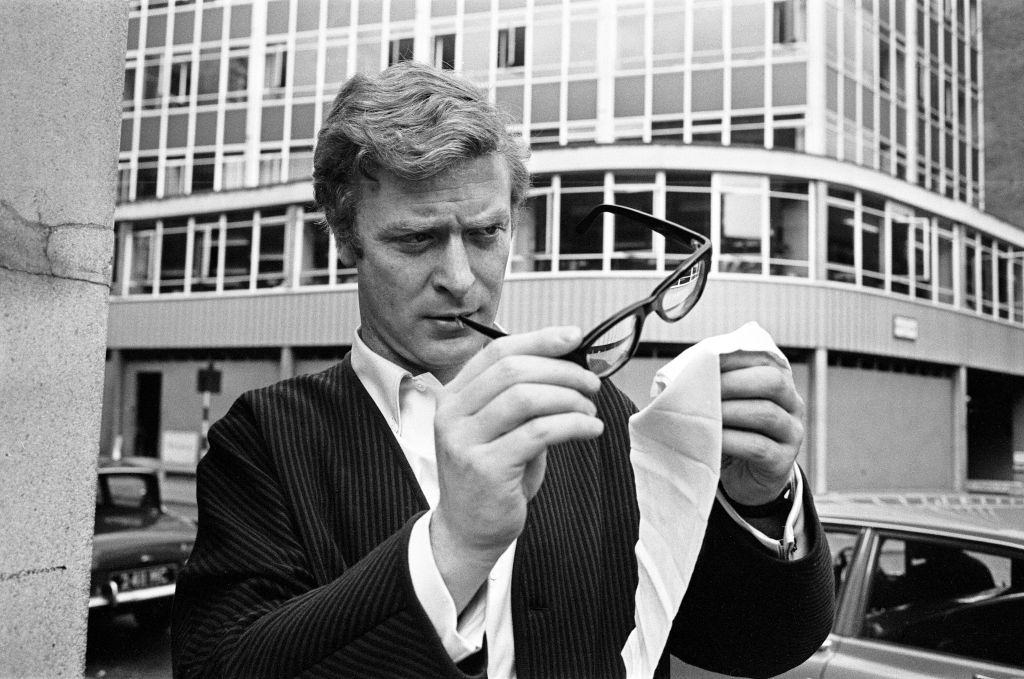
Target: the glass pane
(946, 596)
(629, 52)
(583, 46)
(532, 250)
(748, 87)
(632, 241)
(271, 255)
(547, 47)
(667, 93)
(788, 236)
(680, 297)
(841, 545)
(172, 259)
(789, 84)
(707, 90)
(241, 21)
(582, 96)
(579, 251)
(612, 348)
(238, 251)
(544, 107)
(707, 29)
(689, 209)
(669, 29)
(629, 96)
(204, 256)
(872, 249)
(840, 244)
(747, 27)
(315, 253)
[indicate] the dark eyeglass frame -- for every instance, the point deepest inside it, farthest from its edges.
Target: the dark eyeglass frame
(640, 309)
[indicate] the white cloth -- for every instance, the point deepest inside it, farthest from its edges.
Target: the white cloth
(408, 403)
(676, 445)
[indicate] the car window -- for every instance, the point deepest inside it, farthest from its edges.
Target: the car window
(842, 544)
(128, 491)
(940, 595)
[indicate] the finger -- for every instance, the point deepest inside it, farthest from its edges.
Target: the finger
(552, 342)
(771, 458)
(737, 360)
(535, 436)
(521, 403)
(515, 370)
(762, 417)
(765, 383)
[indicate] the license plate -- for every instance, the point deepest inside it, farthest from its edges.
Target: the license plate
(143, 578)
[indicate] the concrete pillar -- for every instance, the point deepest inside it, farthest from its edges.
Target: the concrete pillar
(60, 91)
(818, 421)
(960, 400)
(287, 368)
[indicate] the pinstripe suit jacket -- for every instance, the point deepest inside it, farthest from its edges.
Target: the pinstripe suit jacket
(300, 567)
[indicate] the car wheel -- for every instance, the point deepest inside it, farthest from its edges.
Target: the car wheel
(153, 617)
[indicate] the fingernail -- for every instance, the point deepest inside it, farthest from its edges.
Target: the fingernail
(571, 334)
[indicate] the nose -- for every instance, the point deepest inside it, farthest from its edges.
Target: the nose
(454, 272)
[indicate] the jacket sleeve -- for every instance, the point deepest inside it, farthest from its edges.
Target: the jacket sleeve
(252, 603)
(749, 613)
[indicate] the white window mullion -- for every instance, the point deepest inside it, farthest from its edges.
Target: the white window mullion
(190, 247)
(222, 242)
(254, 251)
(155, 255)
(607, 228)
(660, 199)
(297, 237)
(556, 221)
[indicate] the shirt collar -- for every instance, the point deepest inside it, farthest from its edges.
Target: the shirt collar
(384, 381)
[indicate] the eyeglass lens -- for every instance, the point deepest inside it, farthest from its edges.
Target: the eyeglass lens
(682, 294)
(612, 348)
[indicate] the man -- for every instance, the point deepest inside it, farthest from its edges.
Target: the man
(440, 506)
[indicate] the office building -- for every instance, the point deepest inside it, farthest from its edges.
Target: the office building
(833, 151)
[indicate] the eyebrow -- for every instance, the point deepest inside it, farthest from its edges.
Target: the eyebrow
(499, 216)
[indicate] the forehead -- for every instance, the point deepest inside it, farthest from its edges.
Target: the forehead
(475, 187)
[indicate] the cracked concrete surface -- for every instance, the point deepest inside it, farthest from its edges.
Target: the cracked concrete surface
(81, 252)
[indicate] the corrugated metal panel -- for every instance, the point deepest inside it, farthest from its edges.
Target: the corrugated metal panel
(798, 313)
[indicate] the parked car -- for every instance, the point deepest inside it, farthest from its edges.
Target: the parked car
(927, 588)
(138, 547)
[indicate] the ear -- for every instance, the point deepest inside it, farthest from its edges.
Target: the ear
(347, 253)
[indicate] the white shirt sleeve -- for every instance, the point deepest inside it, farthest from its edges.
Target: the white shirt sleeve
(793, 544)
(461, 635)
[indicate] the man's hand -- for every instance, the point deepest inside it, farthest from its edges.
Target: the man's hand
(762, 425)
(493, 427)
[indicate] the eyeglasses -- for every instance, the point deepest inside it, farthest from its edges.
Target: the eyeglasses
(611, 344)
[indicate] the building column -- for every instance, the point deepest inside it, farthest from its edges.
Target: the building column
(817, 425)
(960, 398)
(287, 364)
(116, 391)
(60, 121)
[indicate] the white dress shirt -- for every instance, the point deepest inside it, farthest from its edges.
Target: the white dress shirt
(408, 403)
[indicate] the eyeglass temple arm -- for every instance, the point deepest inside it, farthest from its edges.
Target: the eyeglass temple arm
(486, 330)
(664, 227)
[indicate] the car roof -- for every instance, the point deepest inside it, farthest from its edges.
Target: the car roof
(110, 466)
(981, 516)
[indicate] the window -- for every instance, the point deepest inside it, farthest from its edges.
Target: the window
(511, 47)
(788, 228)
(579, 251)
(532, 249)
(444, 51)
(842, 544)
(180, 85)
(238, 77)
(787, 22)
(400, 50)
(275, 70)
(841, 226)
(940, 595)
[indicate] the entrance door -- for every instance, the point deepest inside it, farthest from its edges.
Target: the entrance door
(147, 414)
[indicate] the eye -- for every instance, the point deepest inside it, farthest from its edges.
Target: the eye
(416, 238)
(489, 231)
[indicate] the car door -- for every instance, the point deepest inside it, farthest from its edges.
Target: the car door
(930, 607)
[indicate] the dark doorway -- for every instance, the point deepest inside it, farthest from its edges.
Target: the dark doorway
(147, 414)
(992, 401)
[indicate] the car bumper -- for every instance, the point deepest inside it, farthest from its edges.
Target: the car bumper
(111, 598)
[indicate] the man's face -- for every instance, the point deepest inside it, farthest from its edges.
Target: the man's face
(431, 250)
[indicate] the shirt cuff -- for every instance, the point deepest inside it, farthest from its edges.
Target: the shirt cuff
(461, 635)
(793, 544)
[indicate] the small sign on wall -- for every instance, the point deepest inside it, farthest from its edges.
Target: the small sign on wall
(904, 327)
(179, 448)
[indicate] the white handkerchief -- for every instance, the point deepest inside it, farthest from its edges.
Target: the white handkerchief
(676, 450)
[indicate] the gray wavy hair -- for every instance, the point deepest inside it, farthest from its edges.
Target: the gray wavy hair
(413, 121)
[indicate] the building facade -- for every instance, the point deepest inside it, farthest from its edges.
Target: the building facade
(832, 150)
